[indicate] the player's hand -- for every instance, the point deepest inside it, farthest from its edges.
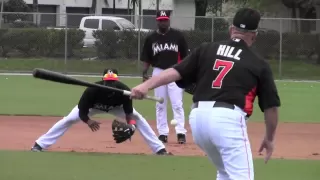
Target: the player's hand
(93, 125)
(139, 92)
(268, 146)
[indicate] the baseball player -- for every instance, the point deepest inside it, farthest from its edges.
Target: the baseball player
(228, 77)
(96, 101)
(162, 49)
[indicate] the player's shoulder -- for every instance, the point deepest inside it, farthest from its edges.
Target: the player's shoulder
(151, 34)
(122, 85)
(174, 30)
(95, 88)
(177, 32)
(208, 46)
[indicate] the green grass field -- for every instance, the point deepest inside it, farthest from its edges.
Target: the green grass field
(298, 99)
(287, 70)
(84, 166)
(24, 95)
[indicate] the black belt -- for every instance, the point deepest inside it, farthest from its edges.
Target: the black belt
(220, 104)
(224, 105)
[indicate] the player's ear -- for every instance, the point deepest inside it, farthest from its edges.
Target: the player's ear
(230, 30)
(254, 36)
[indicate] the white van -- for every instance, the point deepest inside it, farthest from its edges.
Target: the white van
(92, 23)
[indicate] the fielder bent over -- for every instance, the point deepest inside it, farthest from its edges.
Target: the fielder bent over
(96, 101)
(228, 77)
(162, 49)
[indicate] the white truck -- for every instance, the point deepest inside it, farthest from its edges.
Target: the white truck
(91, 23)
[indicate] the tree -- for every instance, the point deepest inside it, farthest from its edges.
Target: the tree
(157, 5)
(215, 7)
(93, 7)
(35, 6)
(16, 6)
(35, 9)
(201, 10)
(305, 8)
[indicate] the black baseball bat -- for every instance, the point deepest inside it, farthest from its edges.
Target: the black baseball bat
(61, 78)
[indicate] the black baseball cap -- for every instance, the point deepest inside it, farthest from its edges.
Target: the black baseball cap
(163, 15)
(247, 19)
(110, 75)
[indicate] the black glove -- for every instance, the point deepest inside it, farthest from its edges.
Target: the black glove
(122, 131)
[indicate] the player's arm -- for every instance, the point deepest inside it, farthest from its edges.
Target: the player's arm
(184, 70)
(127, 105)
(183, 47)
(128, 110)
(269, 101)
(146, 57)
(85, 103)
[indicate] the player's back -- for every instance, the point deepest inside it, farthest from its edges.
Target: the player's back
(110, 97)
(234, 75)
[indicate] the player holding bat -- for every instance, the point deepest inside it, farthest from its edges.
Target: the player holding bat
(96, 101)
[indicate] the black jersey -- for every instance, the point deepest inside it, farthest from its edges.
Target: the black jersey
(104, 100)
(229, 72)
(164, 51)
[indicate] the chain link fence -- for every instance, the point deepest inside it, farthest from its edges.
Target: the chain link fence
(78, 43)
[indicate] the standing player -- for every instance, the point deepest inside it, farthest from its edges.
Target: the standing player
(96, 101)
(162, 49)
(228, 77)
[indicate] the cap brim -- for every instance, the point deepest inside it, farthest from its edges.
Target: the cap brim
(110, 79)
(162, 18)
(244, 30)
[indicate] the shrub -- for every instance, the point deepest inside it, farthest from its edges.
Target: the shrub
(107, 43)
(124, 44)
(39, 41)
(111, 44)
(296, 45)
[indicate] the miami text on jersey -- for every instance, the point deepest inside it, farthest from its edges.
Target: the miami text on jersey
(156, 48)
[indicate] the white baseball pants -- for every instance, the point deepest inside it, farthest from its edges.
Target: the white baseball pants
(222, 134)
(176, 98)
(58, 129)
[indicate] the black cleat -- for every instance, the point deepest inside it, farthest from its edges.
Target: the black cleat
(164, 152)
(163, 138)
(181, 138)
(36, 148)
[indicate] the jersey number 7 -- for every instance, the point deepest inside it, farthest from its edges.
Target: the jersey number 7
(224, 67)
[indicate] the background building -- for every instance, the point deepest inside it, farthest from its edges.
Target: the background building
(80, 8)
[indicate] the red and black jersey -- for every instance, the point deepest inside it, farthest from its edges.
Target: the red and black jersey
(230, 72)
(164, 50)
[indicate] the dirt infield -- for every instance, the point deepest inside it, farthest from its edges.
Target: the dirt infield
(294, 140)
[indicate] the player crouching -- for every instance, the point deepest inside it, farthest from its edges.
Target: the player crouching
(97, 101)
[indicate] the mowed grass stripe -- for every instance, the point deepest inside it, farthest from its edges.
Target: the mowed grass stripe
(18, 165)
(28, 96)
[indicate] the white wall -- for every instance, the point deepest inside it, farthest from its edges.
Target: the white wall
(181, 9)
(121, 4)
(182, 16)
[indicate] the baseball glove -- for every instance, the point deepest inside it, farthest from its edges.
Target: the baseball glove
(122, 131)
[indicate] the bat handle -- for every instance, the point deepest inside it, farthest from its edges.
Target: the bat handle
(158, 99)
